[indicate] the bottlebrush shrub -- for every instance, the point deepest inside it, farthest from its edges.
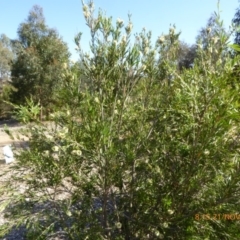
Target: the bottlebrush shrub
(143, 151)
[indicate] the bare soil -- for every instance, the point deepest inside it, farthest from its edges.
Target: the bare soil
(5, 139)
(14, 127)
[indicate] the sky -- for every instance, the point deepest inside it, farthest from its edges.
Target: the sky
(66, 16)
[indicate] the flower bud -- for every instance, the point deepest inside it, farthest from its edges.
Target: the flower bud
(129, 28)
(46, 153)
(124, 39)
(119, 21)
(206, 152)
(86, 14)
(143, 67)
(146, 50)
(96, 99)
(161, 39)
(170, 211)
(49, 137)
(118, 225)
(77, 152)
(172, 30)
(200, 46)
(55, 148)
(215, 40)
(85, 8)
(209, 30)
(65, 65)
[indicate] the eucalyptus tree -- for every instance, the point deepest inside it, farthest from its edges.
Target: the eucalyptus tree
(6, 56)
(40, 59)
(236, 22)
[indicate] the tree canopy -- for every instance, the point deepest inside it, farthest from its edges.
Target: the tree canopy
(236, 22)
(6, 56)
(41, 54)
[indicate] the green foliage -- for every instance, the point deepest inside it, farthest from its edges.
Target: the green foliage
(186, 55)
(27, 113)
(41, 56)
(236, 23)
(6, 56)
(235, 47)
(143, 151)
(5, 92)
(213, 37)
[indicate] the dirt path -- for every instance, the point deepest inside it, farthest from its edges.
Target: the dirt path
(4, 138)
(14, 127)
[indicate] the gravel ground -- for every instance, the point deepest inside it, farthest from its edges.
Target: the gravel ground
(5, 139)
(20, 232)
